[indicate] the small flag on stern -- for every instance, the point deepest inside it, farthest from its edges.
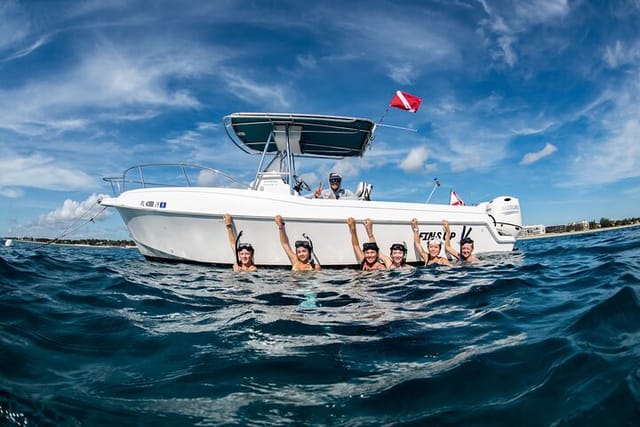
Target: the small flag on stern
(455, 200)
(405, 101)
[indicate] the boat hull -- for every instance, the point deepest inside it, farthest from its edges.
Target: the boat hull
(186, 224)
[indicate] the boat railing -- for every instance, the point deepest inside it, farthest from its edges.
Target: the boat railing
(171, 175)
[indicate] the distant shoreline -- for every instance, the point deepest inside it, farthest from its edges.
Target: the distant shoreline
(570, 233)
(82, 245)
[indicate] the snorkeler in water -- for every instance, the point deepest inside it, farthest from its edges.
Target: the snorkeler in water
(369, 256)
(466, 245)
(434, 247)
(302, 259)
(244, 251)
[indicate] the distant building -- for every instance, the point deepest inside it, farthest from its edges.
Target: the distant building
(578, 226)
(533, 230)
(556, 228)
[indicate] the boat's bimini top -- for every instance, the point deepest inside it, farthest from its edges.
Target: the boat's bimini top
(301, 134)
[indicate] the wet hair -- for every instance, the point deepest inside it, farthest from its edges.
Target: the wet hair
(398, 247)
(370, 246)
(466, 240)
(246, 246)
(303, 244)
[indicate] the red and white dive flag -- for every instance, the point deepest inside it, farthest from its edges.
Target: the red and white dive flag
(455, 200)
(405, 101)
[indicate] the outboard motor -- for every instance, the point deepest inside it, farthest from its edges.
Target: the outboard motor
(505, 212)
(363, 191)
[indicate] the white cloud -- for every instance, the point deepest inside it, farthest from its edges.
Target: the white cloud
(27, 50)
(612, 159)
(189, 138)
(131, 81)
(205, 126)
(504, 27)
(621, 54)
(40, 171)
(115, 76)
(495, 27)
(402, 50)
(541, 11)
(307, 61)
(614, 154)
(415, 160)
(533, 131)
(255, 93)
(72, 211)
(14, 24)
(530, 158)
(402, 73)
(11, 193)
(470, 145)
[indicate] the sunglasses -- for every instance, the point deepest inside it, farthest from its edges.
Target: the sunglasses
(335, 181)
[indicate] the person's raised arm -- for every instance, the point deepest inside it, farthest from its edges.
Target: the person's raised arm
(368, 225)
(447, 239)
(416, 240)
(228, 223)
(284, 240)
(354, 239)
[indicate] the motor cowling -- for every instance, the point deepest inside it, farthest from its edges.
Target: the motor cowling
(363, 191)
(505, 211)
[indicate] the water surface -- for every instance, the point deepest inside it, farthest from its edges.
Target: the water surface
(547, 335)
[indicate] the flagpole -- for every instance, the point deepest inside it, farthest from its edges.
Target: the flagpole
(436, 184)
(397, 127)
(383, 114)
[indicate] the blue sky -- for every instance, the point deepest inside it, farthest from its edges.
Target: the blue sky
(537, 99)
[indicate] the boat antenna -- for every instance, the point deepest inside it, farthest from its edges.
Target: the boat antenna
(436, 184)
(313, 253)
(237, 243)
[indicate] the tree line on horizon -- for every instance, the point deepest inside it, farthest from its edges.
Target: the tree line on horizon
(603, 223)
(606, 222)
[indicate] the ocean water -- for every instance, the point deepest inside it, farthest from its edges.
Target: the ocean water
(546, 335)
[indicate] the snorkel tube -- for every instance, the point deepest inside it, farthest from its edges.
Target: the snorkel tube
(237, 244)
(313, 254)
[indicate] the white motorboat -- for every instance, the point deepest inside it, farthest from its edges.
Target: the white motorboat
(185, 223)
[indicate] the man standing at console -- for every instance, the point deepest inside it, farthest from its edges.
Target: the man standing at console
(335, 191)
